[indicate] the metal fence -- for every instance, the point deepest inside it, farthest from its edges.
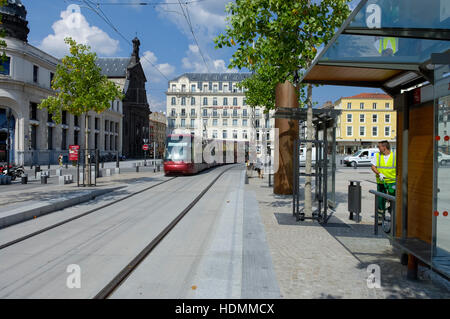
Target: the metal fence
(46, 157)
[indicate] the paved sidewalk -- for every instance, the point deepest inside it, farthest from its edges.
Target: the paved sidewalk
(312, 261)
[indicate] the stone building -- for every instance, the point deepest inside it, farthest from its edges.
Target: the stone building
(25, 80)
(158, 133)
(212, 106)
(129, 75)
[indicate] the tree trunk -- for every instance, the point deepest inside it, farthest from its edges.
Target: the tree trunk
(286, 96)
(308, 168)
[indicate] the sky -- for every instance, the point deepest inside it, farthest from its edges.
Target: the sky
(168, 47)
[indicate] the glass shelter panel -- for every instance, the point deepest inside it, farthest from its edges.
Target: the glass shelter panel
(441, 229)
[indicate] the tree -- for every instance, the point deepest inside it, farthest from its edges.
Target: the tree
(278, 40)
(2, 35)
(80, 87)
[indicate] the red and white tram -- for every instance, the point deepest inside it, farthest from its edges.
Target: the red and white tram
(185, 153)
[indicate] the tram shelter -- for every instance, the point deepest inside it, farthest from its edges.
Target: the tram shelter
(403, 47)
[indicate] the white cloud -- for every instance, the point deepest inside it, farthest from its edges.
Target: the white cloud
(152, 74)
(75, 25)
(193, 62)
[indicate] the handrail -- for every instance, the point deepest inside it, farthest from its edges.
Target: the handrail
(384, 195)
(392, 199)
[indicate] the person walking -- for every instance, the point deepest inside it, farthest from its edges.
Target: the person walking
(60, 160)
(384, 166)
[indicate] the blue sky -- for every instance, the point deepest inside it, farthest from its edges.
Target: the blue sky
(166, 40)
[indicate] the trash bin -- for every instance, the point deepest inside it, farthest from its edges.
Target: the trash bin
(354, 199)
(25, 179)
(44, 179)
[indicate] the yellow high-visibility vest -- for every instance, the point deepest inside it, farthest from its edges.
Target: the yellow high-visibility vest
(388, 169)
(386, 42)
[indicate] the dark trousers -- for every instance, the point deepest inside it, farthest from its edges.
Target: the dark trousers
(381, 201)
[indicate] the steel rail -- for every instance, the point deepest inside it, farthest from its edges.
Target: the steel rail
(20, 239)
(128, 269)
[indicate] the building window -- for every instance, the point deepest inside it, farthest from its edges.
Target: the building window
(235, 113)
(192, 87)
(183, 101)
(192, 112)
(349, 105)
(52, 75)
(205, 101)
(33, 111)
(235, 134)
(215, 112)
(174, 88)
(225, 122)
(183, 87)
(244, 122)
(361, 105)
(50, 137)
(225, 101)
(362, 131)
(387, 118)
(374, 118)
(214, 122)
(234, 122)
(49, 117)
(257, 112)
(192, 100)
(244, 134)
(374, 131)
(224, 134)
(220, 86)
(205, 123)
(387, 105)
(235, 101)
(349, 130)
(387, 131)
(374, 106)
(214, 101)
(183, 122)
(174, 101)
(225, 112)
(349, 118)
(75, 120)
(172, 113)
(192, 123)
(257, 123)
(362, 118)
(244, 112)
(210, 86)
(205, 112)
(64, 117)
(214, 135)
(5, 66)
(244, 102)
(75, 138)
(215, 88)
(35, 73)
(225, 87)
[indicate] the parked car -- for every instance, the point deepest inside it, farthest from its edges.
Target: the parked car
(361, 158)
(443, 159)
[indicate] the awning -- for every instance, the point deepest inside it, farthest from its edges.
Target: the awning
(385, 44)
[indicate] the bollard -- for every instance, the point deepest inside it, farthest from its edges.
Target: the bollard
(246, 178)
(117, 170)
(25, 179)
(44, 179)
(159, 168)
(354, 199)
(137, 169)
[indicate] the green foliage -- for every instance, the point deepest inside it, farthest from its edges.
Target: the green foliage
(80, 87)
(2, 35)
(277, 38)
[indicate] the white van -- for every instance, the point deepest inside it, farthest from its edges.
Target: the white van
(302, 155)
(361, 158)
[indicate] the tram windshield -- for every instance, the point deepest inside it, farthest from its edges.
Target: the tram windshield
(178, 149)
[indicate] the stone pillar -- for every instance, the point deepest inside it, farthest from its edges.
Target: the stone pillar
(286, 95)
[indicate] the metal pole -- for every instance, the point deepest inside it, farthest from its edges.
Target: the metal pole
(376, 216)
(7, 139)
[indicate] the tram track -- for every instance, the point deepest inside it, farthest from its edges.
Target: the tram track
(121, 277)
(45, 229)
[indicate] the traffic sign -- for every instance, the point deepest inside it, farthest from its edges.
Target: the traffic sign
(145, 147)
(73, 152)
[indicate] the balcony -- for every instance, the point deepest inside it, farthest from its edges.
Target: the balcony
(172, 115)
(193, 115)
(235, 115)
(216, 115)
(183, 115)
(226, 115)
